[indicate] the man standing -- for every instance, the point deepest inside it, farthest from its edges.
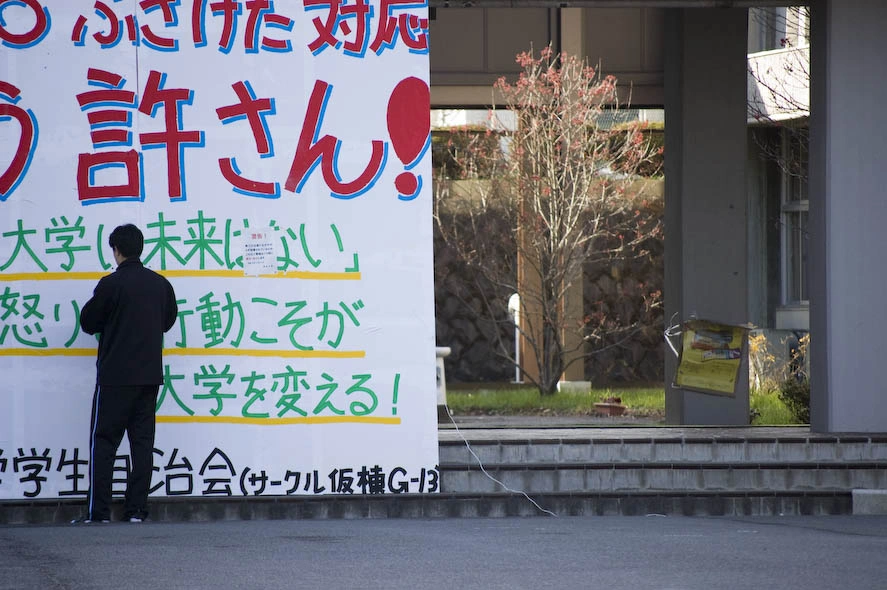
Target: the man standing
(130, 310)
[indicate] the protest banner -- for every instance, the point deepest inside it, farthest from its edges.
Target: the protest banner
(275, 155)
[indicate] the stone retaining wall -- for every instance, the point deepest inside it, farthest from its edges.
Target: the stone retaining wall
(620, 290)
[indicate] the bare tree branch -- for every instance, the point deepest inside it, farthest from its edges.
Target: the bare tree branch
(558, 192)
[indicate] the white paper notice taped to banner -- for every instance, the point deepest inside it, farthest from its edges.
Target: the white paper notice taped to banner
(275, 155)
(259, 253)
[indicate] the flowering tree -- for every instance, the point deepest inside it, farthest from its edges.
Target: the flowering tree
(527, 208)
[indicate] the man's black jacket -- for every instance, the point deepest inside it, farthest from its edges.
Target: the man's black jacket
(131, 309)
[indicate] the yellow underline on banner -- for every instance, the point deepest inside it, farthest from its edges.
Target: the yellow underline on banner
(299, 354)
(215, 352)
(185, 274)
(277, 421)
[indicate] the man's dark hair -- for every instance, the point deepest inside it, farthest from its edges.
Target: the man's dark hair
(128, 240)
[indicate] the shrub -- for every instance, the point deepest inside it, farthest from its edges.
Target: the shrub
(795, 394)
(795, 390)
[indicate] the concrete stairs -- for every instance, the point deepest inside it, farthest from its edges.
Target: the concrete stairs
(666, 471)
(581, 471)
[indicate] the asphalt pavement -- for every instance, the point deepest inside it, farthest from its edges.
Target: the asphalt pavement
(613, 553)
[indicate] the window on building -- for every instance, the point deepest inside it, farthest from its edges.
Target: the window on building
(797, 24)
(765, 28)
(772, 28)
(794, 212)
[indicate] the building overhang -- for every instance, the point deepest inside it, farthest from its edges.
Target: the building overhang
(607, 3)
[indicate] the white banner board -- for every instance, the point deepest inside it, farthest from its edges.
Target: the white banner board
(275, 155)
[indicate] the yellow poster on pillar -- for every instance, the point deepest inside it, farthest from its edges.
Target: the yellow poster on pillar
(711, 354)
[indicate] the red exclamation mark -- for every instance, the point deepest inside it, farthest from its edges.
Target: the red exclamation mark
(409, 126)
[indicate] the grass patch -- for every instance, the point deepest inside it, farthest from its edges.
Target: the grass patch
(768, 410)
(646, 401)
(493, 400)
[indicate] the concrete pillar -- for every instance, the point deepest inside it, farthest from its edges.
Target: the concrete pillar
(572, 41)
(572, 31)
(848, 216)
(705, 190)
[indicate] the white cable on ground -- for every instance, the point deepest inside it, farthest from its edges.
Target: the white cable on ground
(480, 463)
